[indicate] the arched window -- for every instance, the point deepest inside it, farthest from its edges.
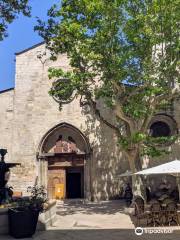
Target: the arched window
(162, 126)
(62, 91)
(160, 129)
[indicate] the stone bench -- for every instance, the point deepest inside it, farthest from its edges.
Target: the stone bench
(48, 217)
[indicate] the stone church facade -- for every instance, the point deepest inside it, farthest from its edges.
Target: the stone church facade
(67, 150)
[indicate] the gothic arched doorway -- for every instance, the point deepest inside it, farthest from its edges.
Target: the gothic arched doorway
(64, 154)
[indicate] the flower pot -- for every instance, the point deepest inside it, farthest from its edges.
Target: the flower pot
(22, 222)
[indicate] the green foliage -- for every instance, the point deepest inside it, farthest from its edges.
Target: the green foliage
(62, 88)
(124, 52)
(150, 146)
(153, 151)
(9, 9)
(154, 146)
(36, 200)
(38, 197)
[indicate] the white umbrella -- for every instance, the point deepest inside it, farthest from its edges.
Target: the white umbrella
(172, 168)
(126, 174)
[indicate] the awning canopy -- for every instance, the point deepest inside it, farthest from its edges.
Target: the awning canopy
(126, 174)
(172, 168)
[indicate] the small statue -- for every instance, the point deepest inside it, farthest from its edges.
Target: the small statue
(72, 145)
(65, 146)
(61, 146)
(128, 195)
(5, 191)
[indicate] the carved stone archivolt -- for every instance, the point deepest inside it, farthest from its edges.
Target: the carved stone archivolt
(64, 148)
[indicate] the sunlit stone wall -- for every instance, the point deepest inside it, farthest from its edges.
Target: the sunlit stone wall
(35, 112)
(28, 112)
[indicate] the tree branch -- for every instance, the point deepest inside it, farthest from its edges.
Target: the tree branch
(171, 96)
(101, 118)
(149, 115)
(121, 115)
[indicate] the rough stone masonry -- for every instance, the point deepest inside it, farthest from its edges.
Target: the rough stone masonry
(30, 121)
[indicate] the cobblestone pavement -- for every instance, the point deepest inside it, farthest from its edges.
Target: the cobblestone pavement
(103, 221)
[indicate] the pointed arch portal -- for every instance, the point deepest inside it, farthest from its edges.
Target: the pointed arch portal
(64, 162)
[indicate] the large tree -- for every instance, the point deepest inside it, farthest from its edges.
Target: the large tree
(9, 9)
(124, 52)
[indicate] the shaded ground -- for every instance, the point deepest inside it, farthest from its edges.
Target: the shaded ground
(98, 234)
(103, 221)
(104, 215)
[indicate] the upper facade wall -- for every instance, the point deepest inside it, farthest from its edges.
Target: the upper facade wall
(35, 112)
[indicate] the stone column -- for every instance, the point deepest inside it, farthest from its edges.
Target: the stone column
(87, 177)
(43, 171)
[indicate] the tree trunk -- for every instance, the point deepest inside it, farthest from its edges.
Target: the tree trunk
(138, 187)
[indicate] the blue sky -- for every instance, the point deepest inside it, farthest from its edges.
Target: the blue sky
(21, 36)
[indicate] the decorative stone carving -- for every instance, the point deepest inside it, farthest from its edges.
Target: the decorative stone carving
(66, 146)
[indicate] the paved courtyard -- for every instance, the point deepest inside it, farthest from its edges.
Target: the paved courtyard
(102, 221)
(104, 215)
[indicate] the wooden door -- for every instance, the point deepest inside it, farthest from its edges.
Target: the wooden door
(56, 183)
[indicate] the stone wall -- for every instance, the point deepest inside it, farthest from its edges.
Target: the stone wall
(35, 112)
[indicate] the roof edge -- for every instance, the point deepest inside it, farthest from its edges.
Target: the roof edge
(27, 49)
(7, 90)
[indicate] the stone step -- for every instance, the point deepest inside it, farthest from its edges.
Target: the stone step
(71, 201)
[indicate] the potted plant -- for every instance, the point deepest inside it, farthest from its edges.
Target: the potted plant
(23, 217)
